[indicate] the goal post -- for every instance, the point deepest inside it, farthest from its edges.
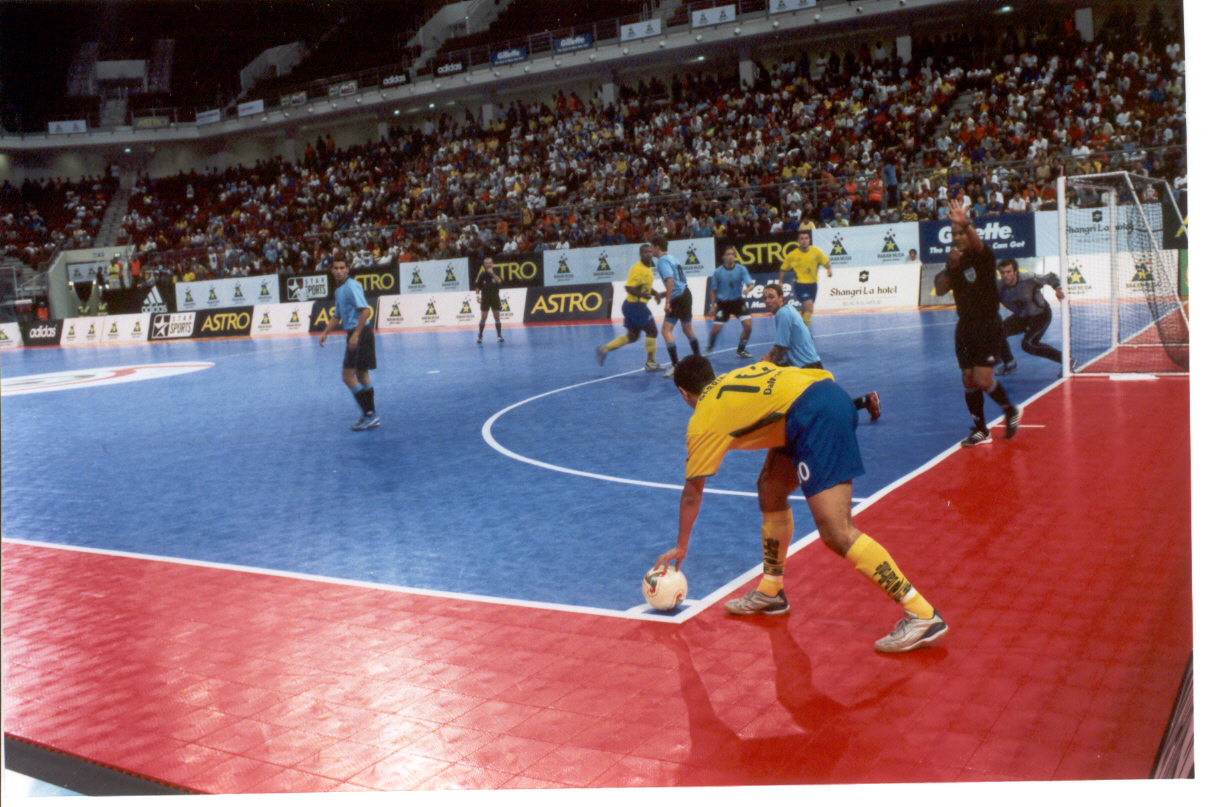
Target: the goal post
(1122, 312)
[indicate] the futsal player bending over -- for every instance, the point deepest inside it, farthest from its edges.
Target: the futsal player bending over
(809, 422)
(353, 312)
(973, 279)
(638, 289)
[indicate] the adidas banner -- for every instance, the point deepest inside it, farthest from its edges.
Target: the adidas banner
(569, 304)
(227, 292)
(41, 334)
(284, 319)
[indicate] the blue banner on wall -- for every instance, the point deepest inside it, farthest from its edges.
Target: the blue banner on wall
(1010, 236)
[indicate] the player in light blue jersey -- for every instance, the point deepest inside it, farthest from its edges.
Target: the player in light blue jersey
(794, 345)
(728, 287)
(678, 306)
(353, 313)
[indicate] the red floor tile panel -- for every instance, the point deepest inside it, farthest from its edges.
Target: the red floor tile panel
(234, 682)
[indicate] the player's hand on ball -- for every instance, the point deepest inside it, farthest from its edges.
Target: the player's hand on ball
(666, 558)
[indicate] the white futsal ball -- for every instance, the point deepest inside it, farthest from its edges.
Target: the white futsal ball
(664, 589)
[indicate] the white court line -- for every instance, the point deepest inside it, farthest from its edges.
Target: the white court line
(493, 443)
(452, 595)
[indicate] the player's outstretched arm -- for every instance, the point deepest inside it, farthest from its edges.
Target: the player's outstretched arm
(690, 500)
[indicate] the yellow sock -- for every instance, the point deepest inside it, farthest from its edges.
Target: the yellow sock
(806, 316)
(777, 534)
(652, 346)
(620, 341)
(872, 561)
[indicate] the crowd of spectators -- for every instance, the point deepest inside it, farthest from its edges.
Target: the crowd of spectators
(38, 218)
(863, 138)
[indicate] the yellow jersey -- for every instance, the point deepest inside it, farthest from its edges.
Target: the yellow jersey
(743, 409)
(641, 277)
(805, 264)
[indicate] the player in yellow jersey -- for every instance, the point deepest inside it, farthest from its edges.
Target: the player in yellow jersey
(638, 289)
(803, 262)
(810, 422)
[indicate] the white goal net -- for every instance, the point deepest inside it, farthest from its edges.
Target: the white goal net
(1125, 309)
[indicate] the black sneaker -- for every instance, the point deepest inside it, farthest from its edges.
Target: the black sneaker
(1007, 368)
(978, 434)
(1012, 419)
(743, 354)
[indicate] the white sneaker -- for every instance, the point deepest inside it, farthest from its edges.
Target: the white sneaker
(912, 633)
(367, 422)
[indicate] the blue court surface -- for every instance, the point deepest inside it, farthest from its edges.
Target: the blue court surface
(522, 471)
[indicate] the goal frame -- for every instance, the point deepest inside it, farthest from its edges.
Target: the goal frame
(1113, 250)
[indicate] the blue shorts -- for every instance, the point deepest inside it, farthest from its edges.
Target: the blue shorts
(805, 291)
(820, 436)
(637, 316)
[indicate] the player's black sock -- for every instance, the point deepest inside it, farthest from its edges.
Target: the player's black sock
(695, 346)
(369, 393)
(998, 394)
(481, 325)
(364, 396)
(498, 328)
(861, 402)
(713, 341)
(976, 404)
(742, 345)
(673, 353)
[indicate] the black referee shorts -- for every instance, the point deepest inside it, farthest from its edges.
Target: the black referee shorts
(978, 342)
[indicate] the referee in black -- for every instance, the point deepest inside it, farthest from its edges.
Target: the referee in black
(972, 277)
(488, 297)
(1030, 315)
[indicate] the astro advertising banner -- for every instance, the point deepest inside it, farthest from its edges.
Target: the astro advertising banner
(516, 269)
(569, 304)
(1010, 236)
(430, 277)
(611, 264)
(227, 292)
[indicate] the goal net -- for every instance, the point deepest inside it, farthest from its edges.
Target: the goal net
(1123, 312)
